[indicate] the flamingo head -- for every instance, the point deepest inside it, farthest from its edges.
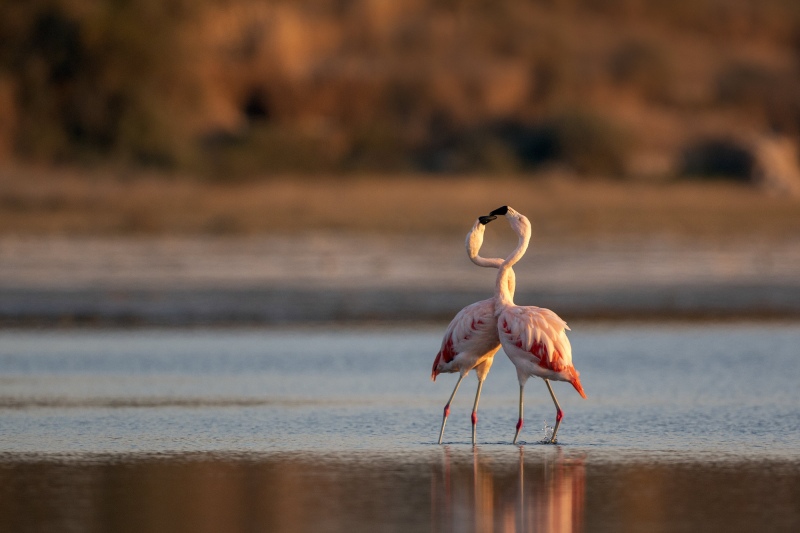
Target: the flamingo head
(476, 233)
(475, 237)
(475, 241)
(518, 221)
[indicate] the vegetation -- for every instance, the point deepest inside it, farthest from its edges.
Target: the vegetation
(231, 88)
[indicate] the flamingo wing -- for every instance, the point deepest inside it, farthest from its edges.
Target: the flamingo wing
(538, 332)
(472, 332)
(537, 339)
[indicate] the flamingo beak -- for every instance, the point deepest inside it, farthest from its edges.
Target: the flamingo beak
(499, 211)
(486, 219)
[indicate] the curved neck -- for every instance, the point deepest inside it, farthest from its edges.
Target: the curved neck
(509, 287)
(487, 262)
(506, 279)
(474, 242)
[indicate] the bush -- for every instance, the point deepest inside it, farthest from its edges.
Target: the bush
(587, 143)
(94, 81)
(590, 143)
(718, 158)
(644, 66)
(744, 84)
(264, 149)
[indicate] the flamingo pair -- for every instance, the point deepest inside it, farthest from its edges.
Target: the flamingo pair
(534, 338)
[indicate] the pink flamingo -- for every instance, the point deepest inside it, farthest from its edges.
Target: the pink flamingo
(471, 340)
(534, 338)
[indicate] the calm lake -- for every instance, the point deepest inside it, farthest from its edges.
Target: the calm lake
(687, 427)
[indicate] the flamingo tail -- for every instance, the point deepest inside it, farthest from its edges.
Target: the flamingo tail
(434, 371)
(574, 378)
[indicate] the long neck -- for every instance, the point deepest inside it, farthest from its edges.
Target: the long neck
(506, 282)
(509, 286)
(487, 262)
(506, 279)
(474, 242)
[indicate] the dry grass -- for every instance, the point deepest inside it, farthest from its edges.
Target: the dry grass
(41, 203)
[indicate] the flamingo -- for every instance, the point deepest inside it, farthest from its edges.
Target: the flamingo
(471, 340)
(534, 338)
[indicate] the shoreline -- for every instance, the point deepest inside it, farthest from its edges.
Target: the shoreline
(348, 278)
(282, 306)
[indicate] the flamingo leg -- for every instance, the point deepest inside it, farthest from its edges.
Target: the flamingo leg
(447, 408)
(475, 410)
(559, 412)
(519, 422)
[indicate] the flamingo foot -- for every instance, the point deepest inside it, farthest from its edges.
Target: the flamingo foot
(559, 417)
(474, 425)
(445, 414)
(519, 427)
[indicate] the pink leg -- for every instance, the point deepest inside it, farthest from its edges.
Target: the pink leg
(519, 422)
(447, 408)
(475, 410)
(559, 412)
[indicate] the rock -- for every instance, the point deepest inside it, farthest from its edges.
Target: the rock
(776, 165)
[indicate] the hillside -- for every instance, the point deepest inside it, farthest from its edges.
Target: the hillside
(635, 89)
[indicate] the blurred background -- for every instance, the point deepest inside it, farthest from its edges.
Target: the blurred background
(222, 160)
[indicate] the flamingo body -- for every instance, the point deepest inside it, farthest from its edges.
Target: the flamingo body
(535, 339)
(470, 341)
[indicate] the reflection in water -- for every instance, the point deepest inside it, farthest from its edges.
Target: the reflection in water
(492, 488)
(546, 495)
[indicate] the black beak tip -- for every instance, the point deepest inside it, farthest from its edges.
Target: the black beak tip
(499, 211)
(486, 219)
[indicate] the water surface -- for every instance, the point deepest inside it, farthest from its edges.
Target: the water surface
(334, 429)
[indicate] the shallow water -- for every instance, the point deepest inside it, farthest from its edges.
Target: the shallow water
(334, 429)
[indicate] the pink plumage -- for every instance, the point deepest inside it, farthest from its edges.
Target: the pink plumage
(471, 340)
(535, 339)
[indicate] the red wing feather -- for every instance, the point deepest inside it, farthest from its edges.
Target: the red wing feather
(447, 353)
